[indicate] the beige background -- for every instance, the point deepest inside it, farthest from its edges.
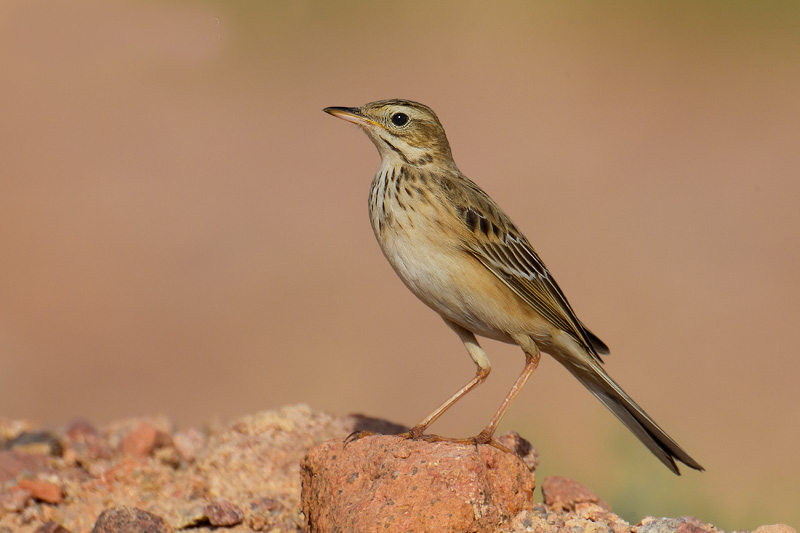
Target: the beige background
(183, 231)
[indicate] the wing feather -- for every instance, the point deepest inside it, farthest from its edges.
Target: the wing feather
(509, 256)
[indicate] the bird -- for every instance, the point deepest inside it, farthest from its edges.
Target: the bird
(460, 254)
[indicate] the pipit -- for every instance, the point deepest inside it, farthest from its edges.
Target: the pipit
(459, 253)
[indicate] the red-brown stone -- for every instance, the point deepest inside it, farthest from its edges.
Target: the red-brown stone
(388, 482)
(42, 490)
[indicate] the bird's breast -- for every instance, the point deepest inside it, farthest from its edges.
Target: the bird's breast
(421, 240)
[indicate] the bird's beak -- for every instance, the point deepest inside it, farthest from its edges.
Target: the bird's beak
(351, 114)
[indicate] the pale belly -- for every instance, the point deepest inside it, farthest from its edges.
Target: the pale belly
(454, 284)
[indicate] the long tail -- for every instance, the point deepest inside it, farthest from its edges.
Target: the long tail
(591, 374)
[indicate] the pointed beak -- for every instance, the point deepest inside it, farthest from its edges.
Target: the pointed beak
(351, 114)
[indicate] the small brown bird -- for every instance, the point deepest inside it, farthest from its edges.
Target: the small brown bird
(459, 253)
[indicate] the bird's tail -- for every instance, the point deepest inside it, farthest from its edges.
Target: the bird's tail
(591, 374)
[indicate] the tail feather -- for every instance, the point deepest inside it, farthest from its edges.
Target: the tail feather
(635, 419)
(598, 345)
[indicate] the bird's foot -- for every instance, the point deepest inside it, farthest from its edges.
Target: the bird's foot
(426, 437)
(480, 438)
(416, 434)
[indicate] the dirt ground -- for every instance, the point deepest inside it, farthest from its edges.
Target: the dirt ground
(145, 475)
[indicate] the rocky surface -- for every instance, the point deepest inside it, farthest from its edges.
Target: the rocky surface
(144, 475)
(388, 483)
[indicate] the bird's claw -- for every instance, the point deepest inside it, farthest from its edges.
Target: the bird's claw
(356, 435)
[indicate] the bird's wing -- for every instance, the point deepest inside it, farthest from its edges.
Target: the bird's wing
(505, 252)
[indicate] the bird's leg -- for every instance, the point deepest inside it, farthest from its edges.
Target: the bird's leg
(532, 357)
(418, 430)
(484, 367)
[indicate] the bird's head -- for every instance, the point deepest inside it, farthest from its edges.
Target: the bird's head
(405, 132)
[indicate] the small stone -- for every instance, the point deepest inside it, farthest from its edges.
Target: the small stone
(130, 520)
(563, 493)
(35, 442)
(140, 441)
(51, 527)
(222, 513)
(42, 490)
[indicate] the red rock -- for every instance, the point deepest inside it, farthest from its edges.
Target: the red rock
(222, 513)
(563, 493)
(140, 441)
(130, 520)
(256, 467)
(42, 490)
(383, 481)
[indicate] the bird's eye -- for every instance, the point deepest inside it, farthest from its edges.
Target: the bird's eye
(399, 119)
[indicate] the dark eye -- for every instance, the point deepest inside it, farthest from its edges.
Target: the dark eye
(399, 119)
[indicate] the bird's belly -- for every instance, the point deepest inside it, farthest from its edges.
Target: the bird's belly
(453, 283)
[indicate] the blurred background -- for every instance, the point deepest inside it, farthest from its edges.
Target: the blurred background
(183, 231)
